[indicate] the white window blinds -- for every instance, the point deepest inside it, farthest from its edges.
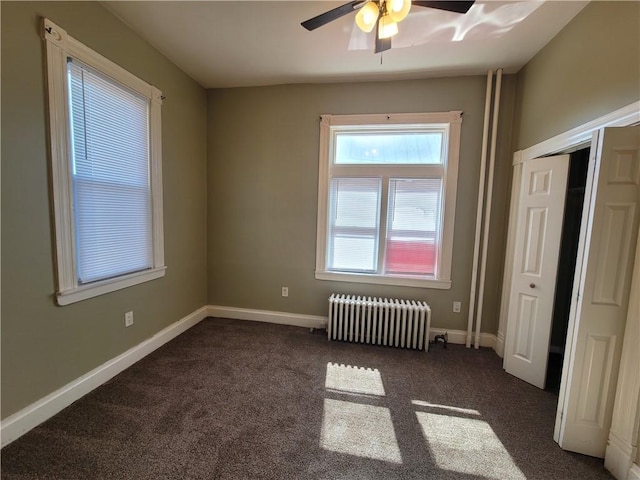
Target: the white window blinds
(413, 230)
(354, 224)
(110, 175)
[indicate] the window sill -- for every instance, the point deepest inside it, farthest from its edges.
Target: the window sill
(95, 289)
(382, 280)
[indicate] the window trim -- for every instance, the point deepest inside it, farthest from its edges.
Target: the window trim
(59, 46)
(328, 124)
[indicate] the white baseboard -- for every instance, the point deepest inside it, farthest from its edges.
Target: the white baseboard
(634, 472)
(316, 321)
(460, 337)
(283, 318)
(617, 457)
(16, 425)
(500, 344)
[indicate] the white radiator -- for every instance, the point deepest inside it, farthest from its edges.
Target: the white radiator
(397, 323)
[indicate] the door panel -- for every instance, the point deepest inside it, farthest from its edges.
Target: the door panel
(599, 353)
(534, 238)
(527, 313)
(613, 255)
(601, 296)
(537, 245)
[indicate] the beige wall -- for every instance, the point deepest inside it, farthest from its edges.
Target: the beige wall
(263, 177)
(589, 69)
(45, 346)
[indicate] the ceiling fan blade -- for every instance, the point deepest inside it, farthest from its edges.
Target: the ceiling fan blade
(382, 44)
(450, 6)
(332, 15)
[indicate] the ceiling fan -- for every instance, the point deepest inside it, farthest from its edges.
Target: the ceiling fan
(384, 15)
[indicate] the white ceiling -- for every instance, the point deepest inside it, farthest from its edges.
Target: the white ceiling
(248, 43)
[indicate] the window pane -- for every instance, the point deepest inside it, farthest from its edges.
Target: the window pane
(394, 148)
(354, 206)
(110, 173)
(354, 253)
(355, 202)
(413, 226)
(104, 215)
(410, 256)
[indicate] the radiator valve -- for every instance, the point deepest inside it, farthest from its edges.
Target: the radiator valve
(444, 337)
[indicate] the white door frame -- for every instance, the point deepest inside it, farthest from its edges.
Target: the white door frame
(625, 116)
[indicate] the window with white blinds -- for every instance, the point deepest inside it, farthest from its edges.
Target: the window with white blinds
(354, 224)
(106, 171)
(110, 173)
(413, 226)
(387, 198)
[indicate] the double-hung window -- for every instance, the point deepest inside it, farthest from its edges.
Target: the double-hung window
(106, 171)
(386, 198)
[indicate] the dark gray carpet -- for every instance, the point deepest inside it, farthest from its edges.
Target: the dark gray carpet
(234, 400)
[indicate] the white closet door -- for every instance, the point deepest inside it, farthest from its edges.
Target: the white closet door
(533, 284)
(601, 294)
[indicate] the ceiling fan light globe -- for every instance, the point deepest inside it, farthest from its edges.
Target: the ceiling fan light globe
(398, 9)
(367, 16)
(387, 27)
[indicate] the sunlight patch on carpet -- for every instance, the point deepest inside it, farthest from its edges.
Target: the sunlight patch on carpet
(468, 446)
(353, 379)
(466, 411)
(360, 430)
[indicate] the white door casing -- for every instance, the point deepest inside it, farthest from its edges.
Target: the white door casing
(601, 294)
(533, 282)
(508, 264)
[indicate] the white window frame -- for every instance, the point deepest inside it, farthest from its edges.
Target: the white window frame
(60, 46)
(330, 125)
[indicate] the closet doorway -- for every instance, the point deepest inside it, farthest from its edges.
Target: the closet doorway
(573, 206)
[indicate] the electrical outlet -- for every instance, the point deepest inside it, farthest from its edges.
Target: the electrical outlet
(285, 291)
(128, 319)
(456, 307)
